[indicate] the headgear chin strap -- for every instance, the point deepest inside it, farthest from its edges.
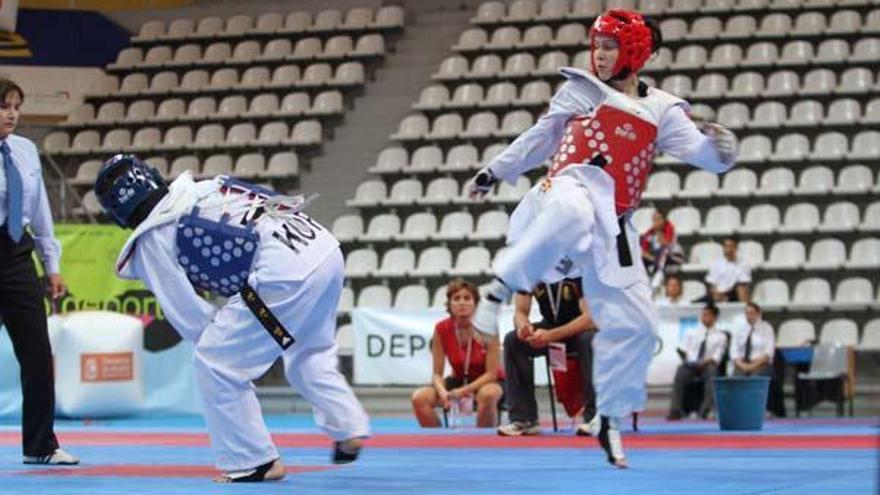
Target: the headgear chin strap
(123, 184)
(635, 40)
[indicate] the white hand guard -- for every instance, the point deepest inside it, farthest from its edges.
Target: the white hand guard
(480, 184)
(725, 142)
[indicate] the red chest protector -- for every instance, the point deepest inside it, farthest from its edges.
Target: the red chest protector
(619, 142)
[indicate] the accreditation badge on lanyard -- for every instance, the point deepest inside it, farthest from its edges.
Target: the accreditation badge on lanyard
(556, 350)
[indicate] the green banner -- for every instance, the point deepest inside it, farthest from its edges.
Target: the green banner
(88, 262)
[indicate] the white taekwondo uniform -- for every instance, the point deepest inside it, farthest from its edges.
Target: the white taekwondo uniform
(602, 142)
(297, 270)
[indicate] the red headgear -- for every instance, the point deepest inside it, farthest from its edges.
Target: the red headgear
(634, 39)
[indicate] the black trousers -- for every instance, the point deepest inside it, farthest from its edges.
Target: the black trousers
(21, 307)
(520, 375)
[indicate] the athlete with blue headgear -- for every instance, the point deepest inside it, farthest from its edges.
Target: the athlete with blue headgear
(279, 274)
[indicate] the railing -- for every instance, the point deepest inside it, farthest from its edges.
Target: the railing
(64, 188)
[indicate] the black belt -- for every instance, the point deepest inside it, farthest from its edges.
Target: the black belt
(265, 317)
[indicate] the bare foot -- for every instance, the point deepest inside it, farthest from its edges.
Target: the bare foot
(620, 463)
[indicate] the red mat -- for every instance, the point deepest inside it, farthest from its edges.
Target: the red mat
(151, 471)
(633, 441)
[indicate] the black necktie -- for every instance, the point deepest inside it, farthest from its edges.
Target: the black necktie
(748, 354)
(702, 350)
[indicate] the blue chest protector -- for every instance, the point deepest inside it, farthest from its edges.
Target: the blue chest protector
(217, 255)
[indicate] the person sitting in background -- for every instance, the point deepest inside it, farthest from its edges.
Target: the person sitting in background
(661, 252)
(701, 350)
(753, 347)
(672, 292)
(565, 319)
(728, 279)
(474, 362)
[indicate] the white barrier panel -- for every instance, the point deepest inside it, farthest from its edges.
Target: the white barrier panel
(674, 322)
(393, 347)
(98, 364)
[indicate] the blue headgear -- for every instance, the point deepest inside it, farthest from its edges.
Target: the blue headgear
(123, 183)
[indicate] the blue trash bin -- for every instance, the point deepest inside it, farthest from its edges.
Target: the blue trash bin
(741, 402)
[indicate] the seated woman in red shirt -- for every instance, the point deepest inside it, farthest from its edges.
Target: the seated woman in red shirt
(474, 362)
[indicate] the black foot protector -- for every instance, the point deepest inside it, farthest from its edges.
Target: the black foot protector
(343, 454)
(250, 476)
(609, 439)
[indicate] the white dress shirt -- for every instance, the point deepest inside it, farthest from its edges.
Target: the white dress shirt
(763, 342)
(716, 343)
(725, 274)
(35, 210)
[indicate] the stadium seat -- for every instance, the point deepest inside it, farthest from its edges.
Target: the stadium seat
(216, 165)
(761, 219)
(702, 255)
(404, 192)
(181, 164)
(865, 146)
(740, 182)
(686, 219)
(811, 294)
(751, 253)
(826, 254)
(778, 181)
(500, 94)
(797, 332)
(782, 83)
(788, 254)
(864, 253)
(361, 263)
(842, 216)
(281, 165)
(818, 82)
(412, 298)
(699, 184)
(871, 336)
(662, 185)
(768, 114)
(434, 261)
(368, 193)
(440, 191)
(854, 293)
(721, 220)
(815, 180)
(374, 296)
(871, 219)
(800, 218)
(418, 227)
(471, 261)
(382, 227)
(491, 225)
(455, 226)
(839, 331)
(396, 262)
(843, 111)
(772, 293)
(830, 146)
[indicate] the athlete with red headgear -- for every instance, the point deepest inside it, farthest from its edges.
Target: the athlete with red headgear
(602, 130)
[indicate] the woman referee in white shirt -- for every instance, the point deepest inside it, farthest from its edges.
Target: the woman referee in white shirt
(23, 203)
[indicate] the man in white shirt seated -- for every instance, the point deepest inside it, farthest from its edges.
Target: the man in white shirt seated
(728, 279)
(702, 348)
(672, 292)
(753, 346)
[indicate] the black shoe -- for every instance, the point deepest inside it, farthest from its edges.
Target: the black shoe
(343, 454)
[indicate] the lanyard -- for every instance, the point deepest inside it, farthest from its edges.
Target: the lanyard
(555, 301)
(467, 356)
